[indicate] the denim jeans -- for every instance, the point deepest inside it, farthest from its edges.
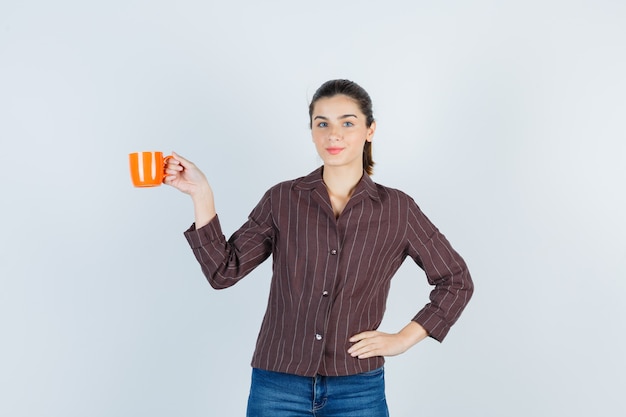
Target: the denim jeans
(274, 394)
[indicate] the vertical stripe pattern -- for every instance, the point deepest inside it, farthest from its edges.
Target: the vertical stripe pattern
(331, 277)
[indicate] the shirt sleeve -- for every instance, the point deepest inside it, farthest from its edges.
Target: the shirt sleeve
(445, 269)
(225, 262)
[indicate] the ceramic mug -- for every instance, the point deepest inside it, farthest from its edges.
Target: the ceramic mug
(147, 169)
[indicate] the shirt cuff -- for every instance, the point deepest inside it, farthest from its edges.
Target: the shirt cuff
(206, 234)
(435, 326)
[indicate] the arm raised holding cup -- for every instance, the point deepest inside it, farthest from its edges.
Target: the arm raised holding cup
(223, 261)
(185, 176)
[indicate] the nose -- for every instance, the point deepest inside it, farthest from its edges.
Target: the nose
(334, 135)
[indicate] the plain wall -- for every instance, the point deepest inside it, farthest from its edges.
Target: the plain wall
(504, 120)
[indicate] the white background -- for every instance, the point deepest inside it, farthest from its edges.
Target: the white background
(505, 120)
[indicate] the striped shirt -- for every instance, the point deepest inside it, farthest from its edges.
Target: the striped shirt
(331, 276)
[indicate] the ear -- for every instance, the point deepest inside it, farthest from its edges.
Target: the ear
(370, 132)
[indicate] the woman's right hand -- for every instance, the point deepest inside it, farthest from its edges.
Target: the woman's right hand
(185, 176)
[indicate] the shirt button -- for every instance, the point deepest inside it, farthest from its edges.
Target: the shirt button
(333, 252)
(318, 336)
(325, 294)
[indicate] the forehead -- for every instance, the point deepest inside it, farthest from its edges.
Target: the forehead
(336, 105)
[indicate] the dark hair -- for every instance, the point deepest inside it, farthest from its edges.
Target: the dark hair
(359, 95)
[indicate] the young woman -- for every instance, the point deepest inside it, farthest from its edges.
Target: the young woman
(336, 239)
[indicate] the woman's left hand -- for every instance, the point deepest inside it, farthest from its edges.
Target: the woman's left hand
(374, 343)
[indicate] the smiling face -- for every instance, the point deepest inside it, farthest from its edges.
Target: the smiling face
(339, 129)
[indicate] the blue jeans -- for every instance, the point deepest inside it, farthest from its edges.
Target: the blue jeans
(274, 394)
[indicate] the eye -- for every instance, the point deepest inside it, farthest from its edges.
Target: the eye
(348, 124)
(322, 124)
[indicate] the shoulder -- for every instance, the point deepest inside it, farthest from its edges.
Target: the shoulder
(303, 183)
(399, 201)
(390, 193)
(306, 182)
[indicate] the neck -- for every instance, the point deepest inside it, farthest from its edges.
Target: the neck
(341, 181)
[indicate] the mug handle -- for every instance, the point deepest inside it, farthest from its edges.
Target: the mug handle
(165, 159)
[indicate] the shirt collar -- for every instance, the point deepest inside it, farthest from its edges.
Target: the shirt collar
(315, 181)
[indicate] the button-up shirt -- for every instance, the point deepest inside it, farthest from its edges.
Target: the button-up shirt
(331, 275)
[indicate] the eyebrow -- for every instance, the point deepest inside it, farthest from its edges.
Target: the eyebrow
(345, 116)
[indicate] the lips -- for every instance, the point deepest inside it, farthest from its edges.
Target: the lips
(334, 151)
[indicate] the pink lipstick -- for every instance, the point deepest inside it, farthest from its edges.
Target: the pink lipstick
(334, 151)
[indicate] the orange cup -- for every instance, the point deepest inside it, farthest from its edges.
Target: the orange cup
(147, 169)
